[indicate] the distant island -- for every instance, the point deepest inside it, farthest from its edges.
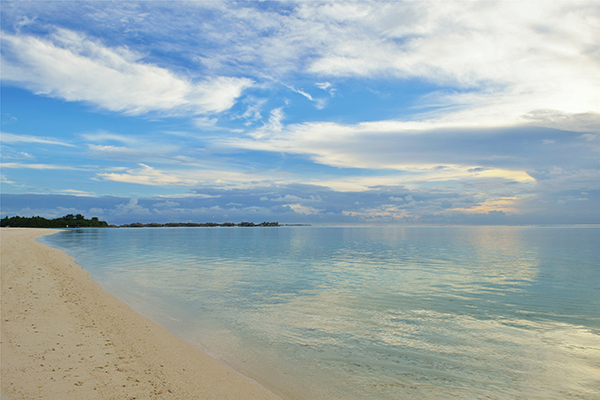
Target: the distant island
(194, 224)
(68, 221)
(79, 221)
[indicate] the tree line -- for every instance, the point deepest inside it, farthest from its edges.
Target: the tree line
(67, 221)
(79, 221)
(195, 224)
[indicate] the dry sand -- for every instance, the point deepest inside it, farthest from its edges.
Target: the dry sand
(63, 338)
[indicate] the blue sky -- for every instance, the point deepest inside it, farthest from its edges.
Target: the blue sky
(318, 112)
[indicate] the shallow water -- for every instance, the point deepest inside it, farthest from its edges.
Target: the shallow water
(370, 312)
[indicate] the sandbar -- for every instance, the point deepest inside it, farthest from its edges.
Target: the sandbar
(64, 337)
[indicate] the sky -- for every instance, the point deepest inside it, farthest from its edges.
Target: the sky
(416, 112)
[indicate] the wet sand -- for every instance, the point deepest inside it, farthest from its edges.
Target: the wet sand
(63, 337)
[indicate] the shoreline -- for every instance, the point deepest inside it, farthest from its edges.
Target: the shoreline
(64, 337)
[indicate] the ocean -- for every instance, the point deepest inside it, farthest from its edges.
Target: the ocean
(316, 312)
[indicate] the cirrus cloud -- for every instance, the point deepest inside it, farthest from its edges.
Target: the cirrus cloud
(6, 137)
(70, 66)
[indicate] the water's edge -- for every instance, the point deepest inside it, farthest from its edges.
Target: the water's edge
(389, 312)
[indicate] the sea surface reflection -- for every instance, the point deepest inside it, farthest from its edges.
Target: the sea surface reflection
(370, 312)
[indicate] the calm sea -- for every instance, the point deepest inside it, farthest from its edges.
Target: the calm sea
(370, 312)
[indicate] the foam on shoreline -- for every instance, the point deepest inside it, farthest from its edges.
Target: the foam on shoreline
(63, 337)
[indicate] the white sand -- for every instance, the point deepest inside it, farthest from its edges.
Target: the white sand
(63, 337)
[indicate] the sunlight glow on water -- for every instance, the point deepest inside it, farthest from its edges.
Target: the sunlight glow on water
(370, 312)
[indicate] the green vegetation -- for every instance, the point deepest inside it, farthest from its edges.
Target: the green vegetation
(195, 224)
(68, 221)
(79, 221)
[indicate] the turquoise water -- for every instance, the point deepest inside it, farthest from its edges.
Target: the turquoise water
(370, 312)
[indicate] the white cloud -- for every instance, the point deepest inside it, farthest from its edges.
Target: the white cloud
(187, 195)
(147, 175)
(499, 62)
(131, 208)
(189, 177)
(70, 66)
(3, 179)
(293, 198)
(275, 124)
(12, 138)
(205, 123)
(327, 87)
(303, 93)
(128, 152)
(591, 137)
(146, 150)
(306, 210)
(253, 109)
(96, 211)
(104, 136)
(323, 85)
(38, 166)
(410, 146)
(75, 192)
(513, 58)
(319, 103)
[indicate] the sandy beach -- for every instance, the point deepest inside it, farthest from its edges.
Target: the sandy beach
(63, 337)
